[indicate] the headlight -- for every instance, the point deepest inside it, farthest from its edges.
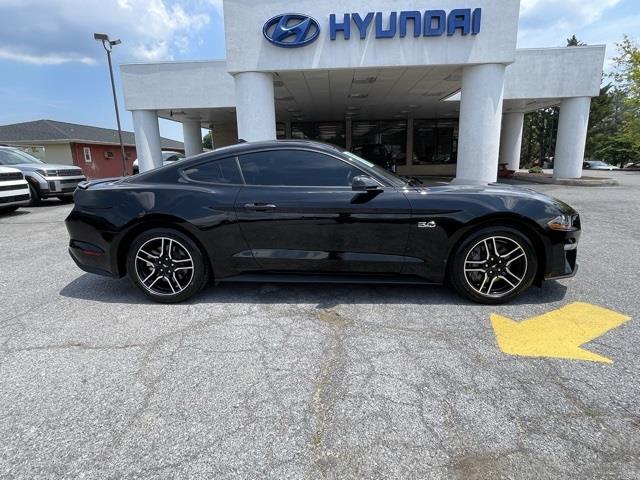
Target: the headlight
(562, 223)
(41, 172)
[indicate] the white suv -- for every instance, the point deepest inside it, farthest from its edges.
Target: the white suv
(14, 190)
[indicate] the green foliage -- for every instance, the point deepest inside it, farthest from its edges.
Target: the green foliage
(207, 142)
(574, 42)
(614, 123)
(535, 170)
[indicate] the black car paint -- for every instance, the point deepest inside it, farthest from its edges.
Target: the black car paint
(331, 230)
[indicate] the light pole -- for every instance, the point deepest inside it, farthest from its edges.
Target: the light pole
(108, 46)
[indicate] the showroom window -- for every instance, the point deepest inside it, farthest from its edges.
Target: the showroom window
(329, 132)
(296, 168)
(435, 142)
(390, 134)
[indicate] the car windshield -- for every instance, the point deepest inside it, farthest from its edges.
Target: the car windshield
(16, 157)
(599, 164)
(379, 171)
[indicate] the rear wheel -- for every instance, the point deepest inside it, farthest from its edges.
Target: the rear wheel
(494, 265)
(167, 265)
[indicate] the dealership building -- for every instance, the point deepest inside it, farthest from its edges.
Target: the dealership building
(440, 84)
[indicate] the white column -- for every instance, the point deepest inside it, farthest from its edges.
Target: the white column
(480, 121)
(572, 136)
(192, 133)
(255, 106)
(511, 139)
(147, 130)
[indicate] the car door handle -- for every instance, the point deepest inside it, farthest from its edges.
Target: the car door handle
(259, 207)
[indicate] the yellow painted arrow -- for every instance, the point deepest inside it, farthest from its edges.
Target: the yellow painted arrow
(559, 333)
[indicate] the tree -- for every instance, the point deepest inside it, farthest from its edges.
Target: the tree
(207, 142)
(574, 42)
(624, 144)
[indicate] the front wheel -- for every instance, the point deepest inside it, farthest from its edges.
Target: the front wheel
(167, 265)
(494, 265)
(35, 196)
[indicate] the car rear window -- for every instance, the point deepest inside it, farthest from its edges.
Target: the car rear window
(224, 171)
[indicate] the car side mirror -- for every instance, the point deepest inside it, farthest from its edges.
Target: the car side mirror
(363, 183)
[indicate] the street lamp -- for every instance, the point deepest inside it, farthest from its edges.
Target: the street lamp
(108, 46)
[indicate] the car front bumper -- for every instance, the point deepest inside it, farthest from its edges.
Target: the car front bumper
(14, 193)
(562, 255)
(57, 186)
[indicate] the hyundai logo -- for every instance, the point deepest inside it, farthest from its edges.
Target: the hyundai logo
(291, 30)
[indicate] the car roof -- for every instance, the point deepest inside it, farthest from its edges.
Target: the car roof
(244, 147)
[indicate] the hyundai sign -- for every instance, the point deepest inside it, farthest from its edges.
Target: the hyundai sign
(291, 30)
(297, 30)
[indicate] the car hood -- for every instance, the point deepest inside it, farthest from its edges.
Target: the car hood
(506, 192)
(8, 170)
(32, 167)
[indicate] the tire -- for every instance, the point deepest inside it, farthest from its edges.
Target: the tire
(35, 196)
(493, 279)
(163, 276)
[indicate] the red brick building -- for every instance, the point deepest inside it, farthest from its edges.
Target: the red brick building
(95, 150)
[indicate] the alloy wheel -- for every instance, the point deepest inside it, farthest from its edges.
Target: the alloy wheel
(164, 266)
(495, 266)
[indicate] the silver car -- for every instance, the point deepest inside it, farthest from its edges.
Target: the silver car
(46, 180)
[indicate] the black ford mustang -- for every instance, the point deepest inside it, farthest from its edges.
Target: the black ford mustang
(304, 211)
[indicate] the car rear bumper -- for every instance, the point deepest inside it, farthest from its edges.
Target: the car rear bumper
(88, 247)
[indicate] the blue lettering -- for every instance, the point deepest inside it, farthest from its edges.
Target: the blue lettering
(363, 25)
(475, 22)
(344, 27)
(417, 23)
(393, 24)
(439, 17)
(459, 19)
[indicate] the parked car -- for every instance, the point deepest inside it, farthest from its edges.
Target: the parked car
(309, 212)
(46, 180)
(598, 165)
(167, 157)
(634, 166)
(14, 190)
(381, 155)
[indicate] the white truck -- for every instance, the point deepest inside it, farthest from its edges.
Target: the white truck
(14, 190)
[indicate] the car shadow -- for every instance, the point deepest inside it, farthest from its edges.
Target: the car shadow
(108, 290)
(14, 214)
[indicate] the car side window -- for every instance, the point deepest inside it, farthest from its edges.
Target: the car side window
(225, 171)
(296, 168)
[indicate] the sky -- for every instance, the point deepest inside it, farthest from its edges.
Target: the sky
(51, 67)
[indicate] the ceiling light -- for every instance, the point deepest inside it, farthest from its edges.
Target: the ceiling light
(358, 95)
(288, 98)
(364, 81)
(278, 83)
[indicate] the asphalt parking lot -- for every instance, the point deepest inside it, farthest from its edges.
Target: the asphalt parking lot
(312, 381)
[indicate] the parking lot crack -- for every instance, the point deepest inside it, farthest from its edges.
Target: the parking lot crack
(326, 385)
